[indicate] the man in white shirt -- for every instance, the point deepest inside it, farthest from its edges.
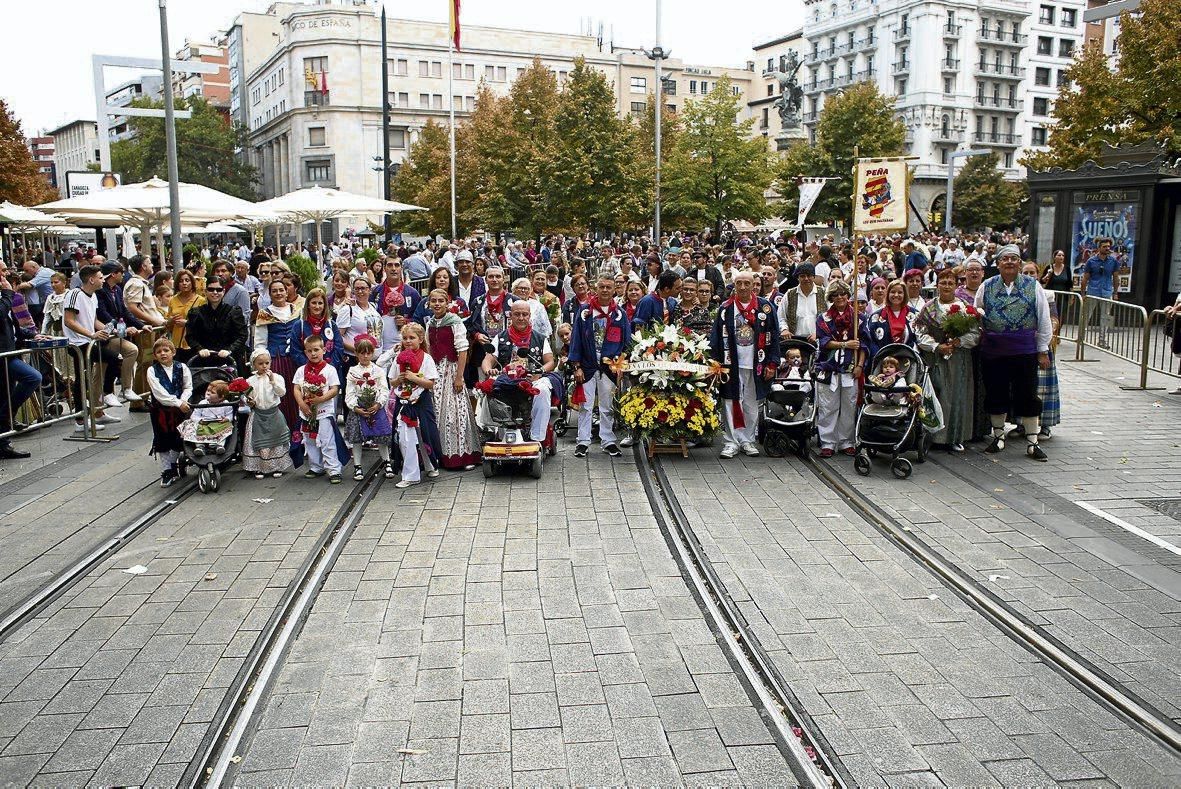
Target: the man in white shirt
(81, 307)
(800, 306)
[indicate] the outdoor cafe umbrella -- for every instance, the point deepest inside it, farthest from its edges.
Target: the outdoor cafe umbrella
(147, 205)
(28, 219)
(317, 204)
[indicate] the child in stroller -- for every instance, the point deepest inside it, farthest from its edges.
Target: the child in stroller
(788, 415)
(211, 423)
(889, 422)
(892, 376)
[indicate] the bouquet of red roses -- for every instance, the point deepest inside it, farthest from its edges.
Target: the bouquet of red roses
(239, 388)
(960, 320)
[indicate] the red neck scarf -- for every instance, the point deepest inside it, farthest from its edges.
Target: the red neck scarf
(599, 310)
(897, 323)
(520, 339)
(841, 322)
(495, 304)
(748, 311)
(313, 373)
(411, 360)
(630, 309)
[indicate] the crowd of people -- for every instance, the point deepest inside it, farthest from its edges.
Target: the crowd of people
(386, 352)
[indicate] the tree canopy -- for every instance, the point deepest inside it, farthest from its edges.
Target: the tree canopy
(860, 117)
(205, 149)
(20, 181)
(1130, 102)
(983, 198)
(716, 170)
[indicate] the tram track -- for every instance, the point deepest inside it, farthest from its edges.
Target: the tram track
(1065, 661)
(235, 718)
(807, 752)
(62, 581)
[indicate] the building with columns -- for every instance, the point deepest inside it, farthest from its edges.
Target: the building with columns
(75, 147)
(966, 73)
(313, 104)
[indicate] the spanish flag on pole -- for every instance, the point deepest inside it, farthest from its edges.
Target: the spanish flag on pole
(455, 22)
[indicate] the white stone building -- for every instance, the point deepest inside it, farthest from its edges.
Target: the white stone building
(963, 72)
(75, 147)
(1056, 35)
(313, 103)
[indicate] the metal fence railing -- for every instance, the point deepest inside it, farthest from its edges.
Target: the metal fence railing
(56, 397)
(1158, 353)
(1127, 331)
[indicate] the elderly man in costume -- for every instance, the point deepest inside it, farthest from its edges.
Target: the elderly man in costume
(520, 345)
(1014, 343)
(745, 340)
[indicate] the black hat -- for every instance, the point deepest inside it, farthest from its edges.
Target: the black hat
(109, 268)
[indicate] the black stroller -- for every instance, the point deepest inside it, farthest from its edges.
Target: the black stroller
(889, 421)
(787, 417)
(210, 465)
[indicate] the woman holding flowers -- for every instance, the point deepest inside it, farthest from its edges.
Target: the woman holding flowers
(948, 328)
(447, 344)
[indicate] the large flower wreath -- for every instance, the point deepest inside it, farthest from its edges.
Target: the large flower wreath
(672, 380)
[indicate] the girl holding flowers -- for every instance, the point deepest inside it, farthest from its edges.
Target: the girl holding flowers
(367, 392)
(412, 377)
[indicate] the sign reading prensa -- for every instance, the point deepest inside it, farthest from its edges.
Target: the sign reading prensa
(880, 195)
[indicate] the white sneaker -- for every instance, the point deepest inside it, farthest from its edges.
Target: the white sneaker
(107, 419)
(405, 484)
(729, 450)
(627, 441)
(131, 396)
(750, 450)
(110, 401)
(80, 427)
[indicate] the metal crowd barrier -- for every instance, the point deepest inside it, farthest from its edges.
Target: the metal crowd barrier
(1070, 306)
(1158, 348)
(53, 400)
(1126, 331)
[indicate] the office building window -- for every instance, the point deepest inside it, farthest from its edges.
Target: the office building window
(670, 87)
(403, 99)
(1063, 80)
(766, 121)
(1041, 106)
(900, 86)
(1041, 76)
(315, 65)
(692, 91)
(1069, 18)
(1008, 159)
(436, 102)
(942, 157)
(948, 87)
(317, 170)
(1065, 48)
(424, 101)
(638, 107)
(490, 73)
(704, 87)
(457, 103)
(316, 136)
(502, 73)
(457, 71)
(469, 103)
(398, 138)
(1037, 135)
(1045, 45)
(315, 98)
(281, 80)
(770, 91)
(436, 68)
(1046, 16)
(734, 89)
(639, 84)
(770, 67)
(401, 67)
(469, 71)
(424, 68)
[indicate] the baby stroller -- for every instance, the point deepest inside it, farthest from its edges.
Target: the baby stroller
(211, 465)
(893, 426)
(787, 417)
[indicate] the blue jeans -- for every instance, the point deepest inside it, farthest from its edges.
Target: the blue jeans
(22, 381)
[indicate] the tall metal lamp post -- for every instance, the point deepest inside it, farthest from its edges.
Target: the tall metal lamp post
(658, 55)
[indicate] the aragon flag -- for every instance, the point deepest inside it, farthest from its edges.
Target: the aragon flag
(455, 22)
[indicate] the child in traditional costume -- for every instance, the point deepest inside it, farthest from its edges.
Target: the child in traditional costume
(366, 394)
(171, 384)
(412, 377)
(266, 444)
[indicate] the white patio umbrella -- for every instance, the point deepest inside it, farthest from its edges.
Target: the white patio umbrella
(28, 219)
(316, 204)
(147, 204)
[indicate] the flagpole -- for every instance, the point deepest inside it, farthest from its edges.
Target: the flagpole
(451, 99)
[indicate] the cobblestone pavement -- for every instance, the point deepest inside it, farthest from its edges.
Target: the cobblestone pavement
(510, 631)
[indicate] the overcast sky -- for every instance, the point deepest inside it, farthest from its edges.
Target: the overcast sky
(45, 47)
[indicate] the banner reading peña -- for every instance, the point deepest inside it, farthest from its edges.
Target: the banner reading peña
(880, 202)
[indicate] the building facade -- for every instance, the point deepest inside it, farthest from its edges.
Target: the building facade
(214, 88)
(313, 104)
(75, 147)
(250, 39)
(41, 149)
(772, 57)
(150, 86)
(965, 73)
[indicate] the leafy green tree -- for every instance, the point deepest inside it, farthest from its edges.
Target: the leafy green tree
(717, 171)
(596, 184)
(205, 149)
(20, 181)
(425, 180)
(643, 162)
(1137, 100)
(860, 117)
(983, 198)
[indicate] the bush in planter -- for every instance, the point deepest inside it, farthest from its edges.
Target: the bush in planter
(368, 254)
(306, 269)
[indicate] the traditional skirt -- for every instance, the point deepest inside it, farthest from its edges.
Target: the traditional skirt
(285, 367)
(266, 443)
(354, 437)
(208, 433)
(457, 423)
(165, 433)
(1047, 390)
(955, 386)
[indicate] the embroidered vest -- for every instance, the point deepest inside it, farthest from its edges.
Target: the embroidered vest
(506, 351)
(1010, 319)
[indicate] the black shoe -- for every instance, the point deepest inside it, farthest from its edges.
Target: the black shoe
(388, 470)
(309, 474)
(996, 445)
(334, 479)
(613, 450)
(220, 450)
(358, 473)
(1034, 452)
(9, 452)
(167, 478)
(580, 450)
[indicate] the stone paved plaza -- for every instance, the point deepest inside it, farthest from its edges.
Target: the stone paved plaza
(526, 632)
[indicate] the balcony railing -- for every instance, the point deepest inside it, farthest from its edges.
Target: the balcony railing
(867, 74)
(949, 64)
(902, 67)
(995, 36)
(952, 30)
(1000, 70)
(820, 84)
(948, 135)
(997, 138)
(866, 43)
(999, 103)
(902, 33)
(811, 117)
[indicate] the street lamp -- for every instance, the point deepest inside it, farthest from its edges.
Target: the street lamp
(951, 180)
(658, 55)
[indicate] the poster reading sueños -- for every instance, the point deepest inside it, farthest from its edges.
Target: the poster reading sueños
(1114, 220)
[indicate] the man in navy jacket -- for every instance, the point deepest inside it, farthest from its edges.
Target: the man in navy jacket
(657, 307)
(601, 333)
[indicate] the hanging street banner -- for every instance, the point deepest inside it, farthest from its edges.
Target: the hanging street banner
(880, 201)
(809, 191)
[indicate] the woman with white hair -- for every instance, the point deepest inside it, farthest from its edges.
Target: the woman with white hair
(523, 289)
